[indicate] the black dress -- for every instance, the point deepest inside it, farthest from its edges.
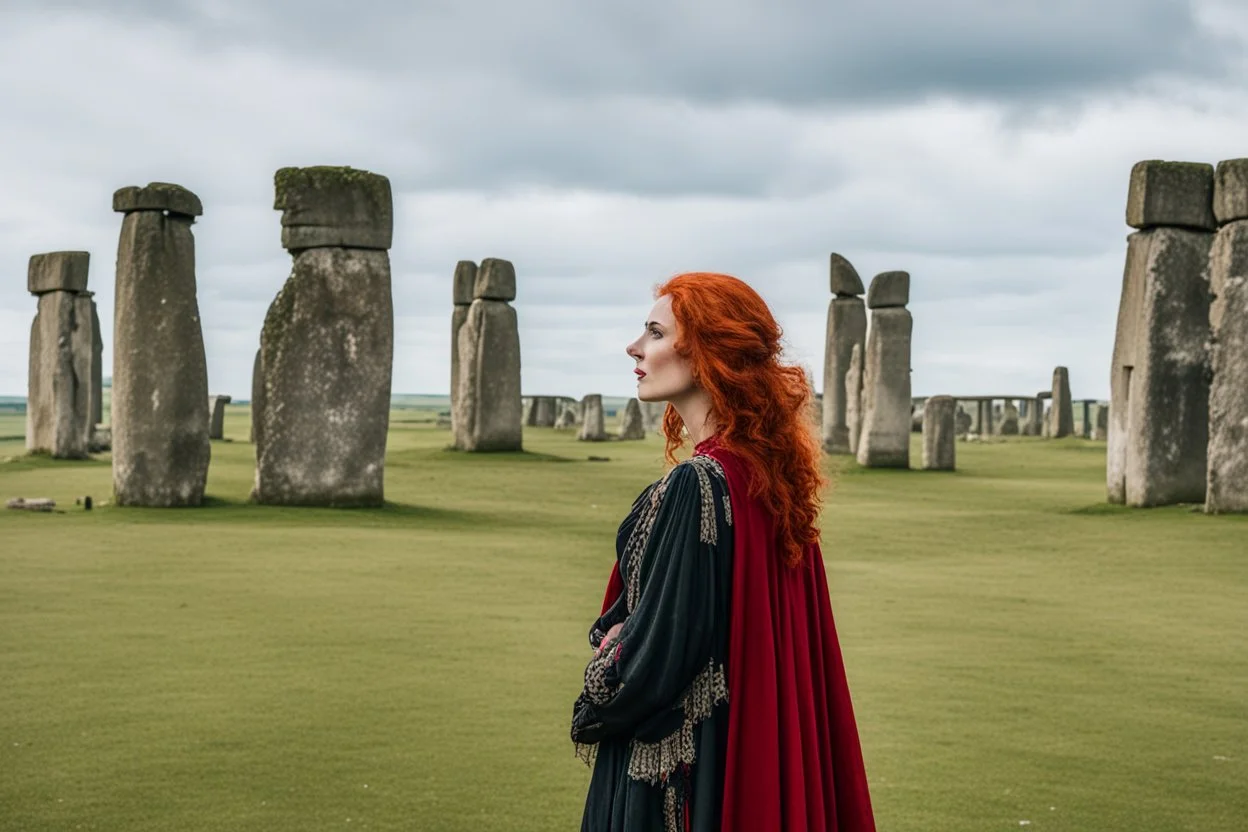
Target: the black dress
(652, 717)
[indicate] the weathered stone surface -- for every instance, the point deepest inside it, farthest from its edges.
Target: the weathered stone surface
(544, 412)
(489, 415)
(652, 416)
(847, 328)
(885, 440)
(1227, 458)
(96, 393)
(58, 271)
(1159, 413)
(1171, 194)
(1034, 425)
(983, 418)
(496, 280)
(568, 418)
(845, 279)
(853, 397)
(1061, 411)
(939, 433)
(216, 416)
(1102, 423)
(257, 395)
(464, 282)
(160, 376)
(963, 422)
(58, 401)
(327, 350)
(916, 417)
(1230, 190)
(158, 196)
(593, 428)
(631, 426)
(889, 289)
(1008, 426)
(101, 439)
(334, 206)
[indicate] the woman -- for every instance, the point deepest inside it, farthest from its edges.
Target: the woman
(716, 697)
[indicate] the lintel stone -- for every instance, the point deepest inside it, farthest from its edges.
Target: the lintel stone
(496, 280)
(1230, 190)
(465, 280)
(1171, 193)
(158, 196)
(845, 279)
(334, 207)
(889, 289)
(58, 271)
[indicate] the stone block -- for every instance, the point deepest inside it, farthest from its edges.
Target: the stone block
(1230, 190)
(1102, 423)
(846, 328)
(97, 368)
(257, 396)
(327, 353)
(216, 416)
(496, 280)
(1009, 424)
(889, 289)
(853, 397)
(593, 427)
(845, 279)
(1227, 456)
(489, 415)
(1061, 412)
(160, 375)
(158, 196)
(544, 412)
(465, 282)
(962, 422)
(939, 433)
(334, 207)
(1171, 194)
(1159, 412)
(58, 271)
(459, 316)
(631, 426)
(885, 440)
(58, 402)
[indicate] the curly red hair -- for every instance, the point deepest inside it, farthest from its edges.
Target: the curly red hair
(762, 406)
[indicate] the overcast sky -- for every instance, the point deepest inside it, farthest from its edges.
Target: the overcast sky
(982, 146)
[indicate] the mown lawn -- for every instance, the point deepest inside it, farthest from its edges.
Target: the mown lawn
(1020, 654)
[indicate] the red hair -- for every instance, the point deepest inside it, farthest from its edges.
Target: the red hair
(762, 406)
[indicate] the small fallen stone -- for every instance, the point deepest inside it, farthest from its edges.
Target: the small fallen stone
(37, 504)
(599, 459)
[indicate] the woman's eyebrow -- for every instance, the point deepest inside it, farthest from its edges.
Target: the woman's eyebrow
(653, 323)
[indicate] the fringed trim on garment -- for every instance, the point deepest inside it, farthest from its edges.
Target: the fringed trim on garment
(651, 762)
(586, 752)
(598, 689)
(706, 467)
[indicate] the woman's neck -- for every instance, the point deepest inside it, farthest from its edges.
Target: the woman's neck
(695, 411)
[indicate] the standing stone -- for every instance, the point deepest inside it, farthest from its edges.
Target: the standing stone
(1009, 419)
(97, 366)
(939, 433)
(853, 398)
(885, 439)
(464, 280)
(1227, 460)
(327, 345)
(985, 417)
(216, 416)
(567, 418)
(1102, 423)
(1159, 410)
(490, 413)
(544, 412)
(652, 416)
(593, 427)
(846, 328)
(160, 375)
(962, 422)
(632, 427)
(1035, 418)
(62, 348)
(257, 396)
(1062, 412)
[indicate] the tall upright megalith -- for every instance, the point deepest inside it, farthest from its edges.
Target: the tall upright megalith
(62, 341)
(885, 439)
(853, 397)
(160, 375)
(1159, 399)
(632, 425)
(939, 434)
(489, 412)
(216, 416)
(1062, 411)
(257, 396)
(97, 365)
(463, 282)
(1227, 460)
(327, 345)
(593, 427)
(847, 327)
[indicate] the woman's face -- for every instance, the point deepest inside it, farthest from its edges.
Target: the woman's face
(662, 374)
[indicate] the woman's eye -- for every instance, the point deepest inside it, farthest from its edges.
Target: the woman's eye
(654, 333)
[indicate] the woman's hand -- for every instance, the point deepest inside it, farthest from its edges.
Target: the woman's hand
(612, 633)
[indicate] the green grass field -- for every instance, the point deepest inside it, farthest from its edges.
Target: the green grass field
(1020, 654)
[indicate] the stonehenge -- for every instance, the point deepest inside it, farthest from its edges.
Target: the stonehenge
(327, 344)
(885, 405)
(160, 375)
(63, 386)
(652, 416)
(853, 398)
(462, 285)
(1159, 400)
(1009, 419)
(1061, 412)
(1227, 451)
(541, 412)
(846, 328)
(488, 412)
(632, 426)
(216, 416)
(593, 428)
(939, 434)
(569, 417)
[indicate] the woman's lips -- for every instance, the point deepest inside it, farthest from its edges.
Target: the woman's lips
(640, 374)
